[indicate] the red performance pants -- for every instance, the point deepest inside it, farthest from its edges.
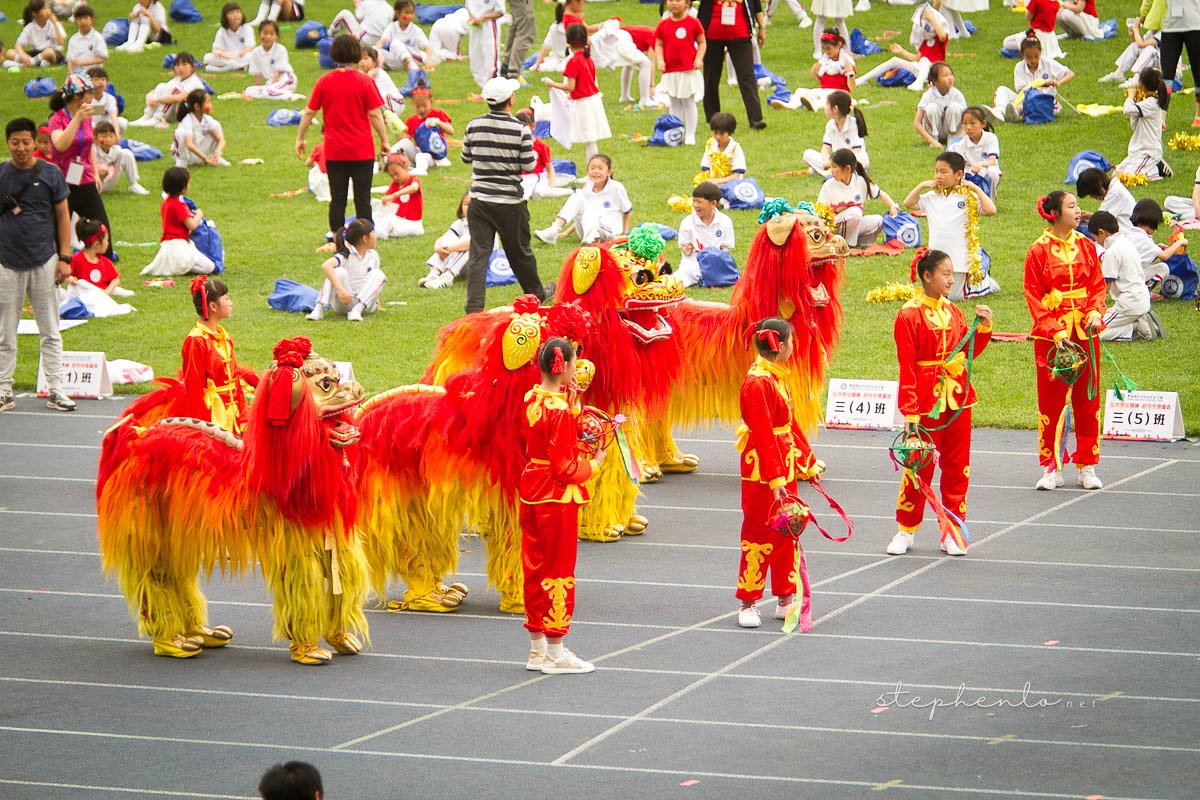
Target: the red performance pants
(1052, 405)
(549, 541)
(762, 548)
(953, 445)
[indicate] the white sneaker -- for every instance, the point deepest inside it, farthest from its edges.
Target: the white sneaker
(1010, 113)
(536, 661)
(443, 162)
(568, 664)
(355, 314)
(317, 314)
(222, 162)
(862, 7)
(442, 281)
(749, 617)
(782, 611)
(121, 291)
(1051, 479)
(424, 280)
(900, 543)
(547, 235)
(144, 121)
(59, 401)
(951, 548)
(1116, 76)
(1088, 478)
(806, 22)
(1129, 84)
(137, 188)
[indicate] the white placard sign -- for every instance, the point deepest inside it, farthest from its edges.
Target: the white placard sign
(345, 370)
(862, 405)
(1143, 416)
(84, 374)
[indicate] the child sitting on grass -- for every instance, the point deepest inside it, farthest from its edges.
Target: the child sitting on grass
(704, 229)
(599, 211)
(353, 278)
(403, 202)
(165, 97)
(177, 253)
(723, 158)
(450, 250)
(113, 161)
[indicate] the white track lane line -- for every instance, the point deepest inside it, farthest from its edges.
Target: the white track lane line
(126, 789)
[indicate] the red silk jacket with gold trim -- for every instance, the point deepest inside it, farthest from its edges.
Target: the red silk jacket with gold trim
(214, 385)
(774, 449)
(927, 329)
(556, 471)
(1063, 284)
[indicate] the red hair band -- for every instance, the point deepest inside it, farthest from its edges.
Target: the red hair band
(771, 337)
(917, 256)
(95, 237)
(748, 334)
(1042, 212)
(831, 38)
(198, 285)
(421, 91)
(557, 367)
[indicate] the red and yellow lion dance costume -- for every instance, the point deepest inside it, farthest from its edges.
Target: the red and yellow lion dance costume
(182, 495)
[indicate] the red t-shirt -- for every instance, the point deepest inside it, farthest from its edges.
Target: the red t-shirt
(642, 35)
(571, 19)
(1045, 14)
(409, 206)
(344, 96)
(542, 151)
(724, 33)
(414, 122)
(174, 213)
(100, 274)
(583, 70)
(1089, 8)
(934, 52)
(680, 42)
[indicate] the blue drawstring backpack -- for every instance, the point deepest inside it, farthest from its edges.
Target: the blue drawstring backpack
(743, 194)
(529, 62)
(1108, 29)
(427, 15)
(323, 59)
(73, 308)
(283, 116)
(416, 77)
(541, 129)
(292, 296)
(1038, 108)
(781, 93)
(112, 89)
(668, 131)
(141, 151)
(563, 166)
(207, 239)
(499, 273)
(40, 87)
(115, 32)
(3, 17)
(980, 181)
(1182, 281)
(862, 46)
(985, 267)
(185, 11)
(717, 267)
(667, 233)
(309, 33)
(1085, 159)
(169, 61)
(902, 228)
(896, 77)
(1010, 53)
(430, 140)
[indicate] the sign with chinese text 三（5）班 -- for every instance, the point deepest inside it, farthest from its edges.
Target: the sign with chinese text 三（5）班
(1143, 416)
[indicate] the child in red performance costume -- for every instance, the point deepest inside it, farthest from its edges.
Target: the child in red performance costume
(214, 385)
(552, 490)
(1064, 288)
(774, 454)
(934, 385)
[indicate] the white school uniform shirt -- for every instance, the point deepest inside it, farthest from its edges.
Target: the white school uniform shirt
(555, 41)
(922, 32)
(188, 85)
(1148, 252)
(1122, 268)
(112, 157)
(411, 37)
(385, 84)
(611, 199)
(1048, 70)
(104, 108)
(267, 62)
(1119, 202)
(230, 41)
(35, 38)
(374, 16)
(844, 138)
(90, 46)
(737, 158)
(933, 97)
(477, 8)
(947, 218)
(972, 152)
(840, 196)
(197, 129)
(156, 12)
(1146, 118)
(357, 267)
(716, 234)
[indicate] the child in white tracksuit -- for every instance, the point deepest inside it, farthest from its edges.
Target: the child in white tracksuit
(483, 41)
(1146, 118)
(450, 251)
(232, 44)
(113, 161)
(599, 211)
(1130, 316)
(353, 279)
(199, 139)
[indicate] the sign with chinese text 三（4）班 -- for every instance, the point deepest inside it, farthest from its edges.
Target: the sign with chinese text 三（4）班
(1143, 416)
(84, 374)
(862, 405)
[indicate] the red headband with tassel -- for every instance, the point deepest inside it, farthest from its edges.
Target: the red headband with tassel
(771, 337)
(558, 366)
(917, 256)
(198, 285)
(830, 38)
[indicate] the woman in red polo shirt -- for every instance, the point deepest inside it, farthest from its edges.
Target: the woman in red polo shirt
(351, 108)
(730, 26)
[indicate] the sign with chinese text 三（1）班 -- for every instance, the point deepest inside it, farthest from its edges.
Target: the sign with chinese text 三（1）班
(862, 405)
(1143, 416)
(83, 375)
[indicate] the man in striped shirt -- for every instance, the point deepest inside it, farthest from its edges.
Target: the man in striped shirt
(499, 148)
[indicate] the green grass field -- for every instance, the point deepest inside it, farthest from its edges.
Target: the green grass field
(266, 238)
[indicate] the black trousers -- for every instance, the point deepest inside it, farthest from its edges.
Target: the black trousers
(741, 53)
(85, 201)
(341, 173)
(511, 222)
(1172, 47)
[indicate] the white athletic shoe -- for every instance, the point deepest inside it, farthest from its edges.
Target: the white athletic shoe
(1116, 76)
(806, 21)
(1051, 479)
(137, 188)
(144, 121)
(443, 281)
(900, 543)
(951, 548)
(424, 280)
(547, 235)
(355, 314)
(862, 6)
(1129, 84)
(782, 611)
(568, 664)
(749, 617)
(317, 314)
(536, 661)
(1088, 478)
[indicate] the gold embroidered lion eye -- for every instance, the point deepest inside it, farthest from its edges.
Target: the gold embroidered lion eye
(327, 384)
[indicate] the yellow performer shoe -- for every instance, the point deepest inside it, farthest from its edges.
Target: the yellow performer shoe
(310, 654)
(345, 643)
(612, 533)
(437, 601)
(177, 647)
(636, 525)
(512, 604)
(681, 463)
(210, 638)
(650, 474)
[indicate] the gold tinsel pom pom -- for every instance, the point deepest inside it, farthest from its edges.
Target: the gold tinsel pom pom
(1133, 180)
(678, 202)
(891, 292)
(1184, 141)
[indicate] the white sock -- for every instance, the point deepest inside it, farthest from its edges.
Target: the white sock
(554, 651)
(644, 83)
(538, 645)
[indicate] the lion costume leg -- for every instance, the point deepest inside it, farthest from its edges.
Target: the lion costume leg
(614, 493)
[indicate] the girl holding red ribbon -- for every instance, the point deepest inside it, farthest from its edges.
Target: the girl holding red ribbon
(214, 384)
(553, 487)
(774, 454)
(1064, 289)
(936, 394)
